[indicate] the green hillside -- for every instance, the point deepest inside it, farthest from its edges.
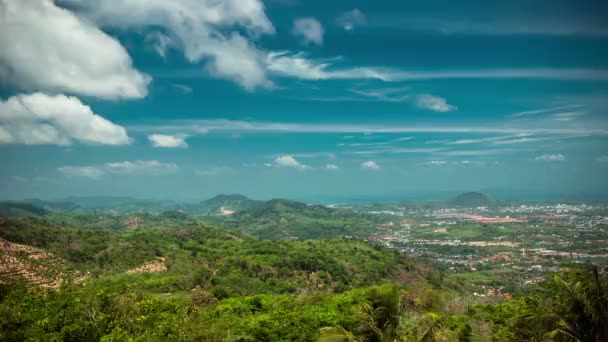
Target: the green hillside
(281, 219)
(228, 202)
(13, 208)
(197, 283)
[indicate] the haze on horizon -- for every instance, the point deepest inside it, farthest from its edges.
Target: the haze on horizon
(318, 101)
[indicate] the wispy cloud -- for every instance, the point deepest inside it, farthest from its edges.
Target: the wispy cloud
(523, 73)
(551, 157)
(393, 150)
(399, 94)
(479, 152)
(136, 167)
(351, 19)
(213, 171)
(457, 162)
(81, 171)
(141, 167)
(308, 30)
(544, 110)
(299, 66)
(196, 126)
(567, 116)
(183, 88)
(479, 140)
(304, 155)
(579, 19)
(332, 167)
(602, 159)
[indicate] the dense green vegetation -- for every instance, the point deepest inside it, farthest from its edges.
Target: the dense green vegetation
(279, 219)
(209, 284)
(228, 202)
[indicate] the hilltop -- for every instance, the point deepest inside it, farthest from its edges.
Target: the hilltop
(234, 202)
(472, 199)
(14, 208)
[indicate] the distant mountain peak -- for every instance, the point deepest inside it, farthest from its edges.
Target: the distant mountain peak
(472, 198)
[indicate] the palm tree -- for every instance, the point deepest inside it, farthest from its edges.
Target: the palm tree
(378, 319)
(579, 307)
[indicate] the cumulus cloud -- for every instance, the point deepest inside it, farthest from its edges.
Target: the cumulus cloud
(168, 141)
(48, 48)
(332, 167)
(370, 165)
(351, 19)
(38, 118)
(434, 103)
(309, 30)
(91, 172)
(551, 157)
(141, 167)
(217, 33)
(290, 162)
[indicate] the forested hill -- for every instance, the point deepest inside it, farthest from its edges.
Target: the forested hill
(227, 202)
(280, 219)
(12, 208)
(191, 282)
(339, 263)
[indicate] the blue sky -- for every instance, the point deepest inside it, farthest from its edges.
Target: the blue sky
(319, 101)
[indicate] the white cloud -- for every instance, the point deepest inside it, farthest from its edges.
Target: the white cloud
(486, 152)
(168, 141)
(329, 155)
(290, 162)
(370, 165)
(458, 162)
(59, 120)
(198, 126)
(297, 65)
(434, 103)
(602, 159)
(399, 94)
(91, 172)
(551, 157)
(436, 162)
(482, 140)
(351, 19)
(523, 73)
(566, 116)
(213, 171)
(141, 167)
(332, 167)
(544, 110)
(309, 30)
(207, 31)
(48, 48)
(137, 167)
